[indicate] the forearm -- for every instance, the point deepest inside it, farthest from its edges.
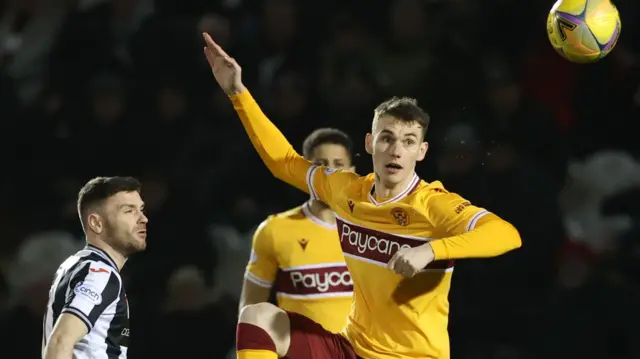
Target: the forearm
(489, 239)
(272, 146)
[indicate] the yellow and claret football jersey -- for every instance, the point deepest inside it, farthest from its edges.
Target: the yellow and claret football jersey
(394, 317)
(300, 256)
(391, 317)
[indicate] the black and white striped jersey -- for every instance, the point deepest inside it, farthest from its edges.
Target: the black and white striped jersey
(88, 285)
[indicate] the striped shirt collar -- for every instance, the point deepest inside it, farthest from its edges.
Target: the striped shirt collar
(102, 254)
(306, 210)
(413, 184)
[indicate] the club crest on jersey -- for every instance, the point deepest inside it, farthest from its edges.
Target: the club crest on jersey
(401, 216)
(351, 205)
(303, 243)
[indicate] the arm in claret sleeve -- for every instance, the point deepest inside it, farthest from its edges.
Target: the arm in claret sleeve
(274, 149)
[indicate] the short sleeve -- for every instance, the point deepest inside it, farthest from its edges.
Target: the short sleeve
(326, 183)
(263, 265)
(92, 289)
(452, 214)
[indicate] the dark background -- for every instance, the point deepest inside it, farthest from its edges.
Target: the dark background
(121, 87)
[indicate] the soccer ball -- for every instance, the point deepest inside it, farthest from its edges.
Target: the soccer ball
(583, 31)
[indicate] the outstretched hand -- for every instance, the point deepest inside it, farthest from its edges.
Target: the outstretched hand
(225, 69)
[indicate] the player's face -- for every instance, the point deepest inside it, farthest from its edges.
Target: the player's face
(395, 146)
(333, 156)
(126, 223)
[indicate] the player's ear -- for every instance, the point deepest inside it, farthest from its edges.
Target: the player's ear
(94, 222)
(424, 147)
(368, 143)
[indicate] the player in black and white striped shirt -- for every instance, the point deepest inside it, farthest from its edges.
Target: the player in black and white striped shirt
(87, 315)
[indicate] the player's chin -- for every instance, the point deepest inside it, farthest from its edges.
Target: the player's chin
(393, 175)
(139, 241)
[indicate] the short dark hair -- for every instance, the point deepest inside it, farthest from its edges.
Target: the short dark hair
(323, 136)
(101, 188)
(405, 109)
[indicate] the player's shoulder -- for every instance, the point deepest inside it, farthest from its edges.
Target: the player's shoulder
(281, 219)
(290, 214)
(295, 213)
(433, 187)
(426, 190)
(96, 266)
(336, 173)
(366, 180)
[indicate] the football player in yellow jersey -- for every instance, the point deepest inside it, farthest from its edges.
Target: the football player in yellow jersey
(298, 252)
(400, 236)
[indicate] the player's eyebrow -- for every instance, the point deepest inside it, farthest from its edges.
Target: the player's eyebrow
(411, 135)
(129, 205)
(387, 132)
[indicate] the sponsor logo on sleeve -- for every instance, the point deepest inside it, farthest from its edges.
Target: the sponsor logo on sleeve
(88, 292)
(460, 208)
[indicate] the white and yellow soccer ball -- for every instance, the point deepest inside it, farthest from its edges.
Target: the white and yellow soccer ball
(583, 31)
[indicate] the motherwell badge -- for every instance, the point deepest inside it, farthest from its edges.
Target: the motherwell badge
(401, 216)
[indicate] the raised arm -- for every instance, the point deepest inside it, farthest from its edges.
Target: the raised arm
(274, 149)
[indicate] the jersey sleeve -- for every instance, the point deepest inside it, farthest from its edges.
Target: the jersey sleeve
(273, 148)
(326, 184)
(467, 231)
(263, 265)
(93, 287)
(452, 214)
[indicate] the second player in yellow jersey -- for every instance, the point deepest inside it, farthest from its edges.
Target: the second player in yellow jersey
(297, 252)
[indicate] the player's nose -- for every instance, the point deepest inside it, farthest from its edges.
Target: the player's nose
(144, 219)
(395, 151)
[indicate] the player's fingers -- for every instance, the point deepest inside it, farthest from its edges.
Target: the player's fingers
(395, 260)
(392, 262)
(400, 267)
(209, 56)
(215, 49)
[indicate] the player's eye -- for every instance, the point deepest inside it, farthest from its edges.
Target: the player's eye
(409, 142)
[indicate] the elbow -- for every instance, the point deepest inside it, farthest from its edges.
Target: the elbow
(512, 237)
(58, 347)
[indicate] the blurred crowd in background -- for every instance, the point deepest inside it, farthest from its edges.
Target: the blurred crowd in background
(97, 87)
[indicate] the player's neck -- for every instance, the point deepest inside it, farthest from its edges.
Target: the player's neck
(116, 256)
(322, 211)
(383, 192)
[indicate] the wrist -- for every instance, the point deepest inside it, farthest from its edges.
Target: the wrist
(438, 249)
(236, 90)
